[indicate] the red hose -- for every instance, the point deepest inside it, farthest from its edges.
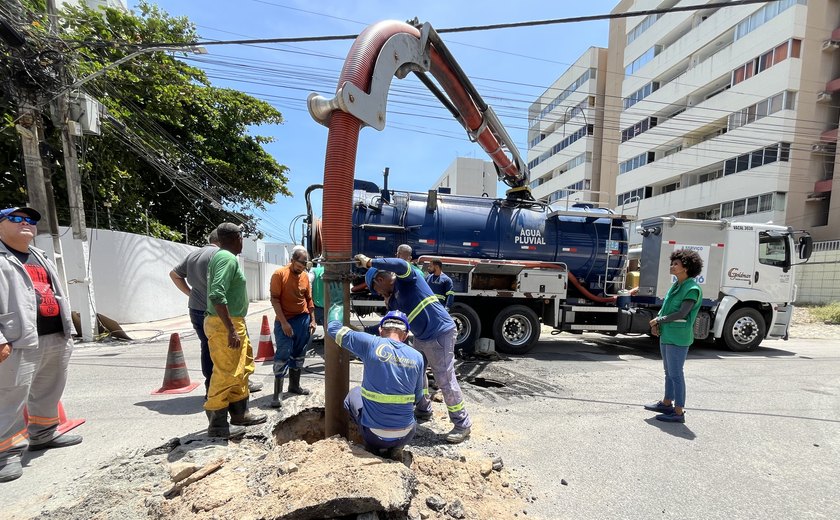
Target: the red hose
(343, 139)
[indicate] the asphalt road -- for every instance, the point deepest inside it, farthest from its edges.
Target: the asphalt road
(762, 437)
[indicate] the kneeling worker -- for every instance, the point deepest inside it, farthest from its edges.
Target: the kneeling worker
(383, 407)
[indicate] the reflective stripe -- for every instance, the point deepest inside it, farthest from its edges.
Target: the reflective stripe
(406, 273)
(14, 439)
(340, 336)
(426, 391)
(456, 407)
(441, 297)
(43, 421)
(376, 397)
(422, 305)
(391, 434)
(450, 292)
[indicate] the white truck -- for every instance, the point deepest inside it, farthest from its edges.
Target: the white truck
(747, 281)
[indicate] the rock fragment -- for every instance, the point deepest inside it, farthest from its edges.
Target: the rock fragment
(178, 471)
(435, 503)
(286, 468)
(456, 509)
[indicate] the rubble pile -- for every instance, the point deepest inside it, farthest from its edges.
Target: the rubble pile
(267, 476)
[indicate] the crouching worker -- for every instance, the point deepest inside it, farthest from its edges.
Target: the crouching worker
(383, 407)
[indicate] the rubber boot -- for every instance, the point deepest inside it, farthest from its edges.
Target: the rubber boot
(277, 397)
(294, 383)
(219, 427)
(242, 416)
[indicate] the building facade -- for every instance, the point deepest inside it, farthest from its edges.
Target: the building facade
(468, 176)
(565, 133)
(725, 112)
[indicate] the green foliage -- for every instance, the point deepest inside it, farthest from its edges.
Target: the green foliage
(827, 313)
(172, 143)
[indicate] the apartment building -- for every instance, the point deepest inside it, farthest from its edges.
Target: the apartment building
(565, 132)
(725, 112)
(469, 176)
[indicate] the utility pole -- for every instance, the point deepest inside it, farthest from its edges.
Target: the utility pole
(147, 221)
(108, 211)
(81, 286)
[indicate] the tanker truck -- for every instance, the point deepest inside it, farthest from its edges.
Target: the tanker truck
(518, 264)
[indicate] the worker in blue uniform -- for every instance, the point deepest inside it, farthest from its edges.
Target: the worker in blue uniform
(441, 284)
(434, 333)
(382, 407)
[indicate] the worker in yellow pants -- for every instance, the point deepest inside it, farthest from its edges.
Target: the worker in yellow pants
(231, 367)
(227, 337)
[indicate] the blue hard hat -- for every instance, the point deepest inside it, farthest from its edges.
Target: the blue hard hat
(369, 275)
(395, 316)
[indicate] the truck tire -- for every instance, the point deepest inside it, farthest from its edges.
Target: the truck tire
(744, 329)
(516, 329)
(468, 327)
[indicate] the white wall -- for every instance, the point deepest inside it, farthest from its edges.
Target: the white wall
(818, 281)
(131, 274)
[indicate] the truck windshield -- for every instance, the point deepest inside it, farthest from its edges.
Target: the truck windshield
(772, 249)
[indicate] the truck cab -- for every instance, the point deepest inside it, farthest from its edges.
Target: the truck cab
(747, 278)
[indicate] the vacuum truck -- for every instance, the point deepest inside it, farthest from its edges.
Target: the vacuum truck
(518, 264)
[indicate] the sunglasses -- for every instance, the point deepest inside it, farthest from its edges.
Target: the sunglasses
(17, 219)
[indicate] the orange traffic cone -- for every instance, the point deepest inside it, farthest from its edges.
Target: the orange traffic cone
(64, 424)
(176, 379)
(265, 352)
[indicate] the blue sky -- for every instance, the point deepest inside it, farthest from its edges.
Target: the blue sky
(510, 68)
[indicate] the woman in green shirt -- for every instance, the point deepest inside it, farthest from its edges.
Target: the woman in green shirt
(675, 327)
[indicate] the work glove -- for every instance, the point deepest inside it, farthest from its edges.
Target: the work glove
(336, 313)
(361, 260)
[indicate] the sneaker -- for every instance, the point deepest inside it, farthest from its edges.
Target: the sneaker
(59, 442)
(671, 417)
(458, 435)
(659, 407)
(254, 386)
(420, 415)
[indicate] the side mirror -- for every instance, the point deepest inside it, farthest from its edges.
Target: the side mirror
(806, 247)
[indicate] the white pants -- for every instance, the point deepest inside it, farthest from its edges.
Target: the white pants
(34, 378)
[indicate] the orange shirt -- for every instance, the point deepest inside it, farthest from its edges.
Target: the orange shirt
(293, 291)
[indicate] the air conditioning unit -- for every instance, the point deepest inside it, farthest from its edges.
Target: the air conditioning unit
(830, 45)
(823, 97)
(821, 148)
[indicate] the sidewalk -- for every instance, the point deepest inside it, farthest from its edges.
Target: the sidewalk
(149, 331)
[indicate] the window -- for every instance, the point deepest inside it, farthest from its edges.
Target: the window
(643, 26)
(742, 163)
(776, 103)
(641, 94)
(788, 49)
(772, 250)
(566, 92)
(761, 109)
(765, 202)
(784, 151)
(752, 205)
(738, 207)
(757, 158)
(764, 15)
(726, 210)
(771, 154)
(668, 188)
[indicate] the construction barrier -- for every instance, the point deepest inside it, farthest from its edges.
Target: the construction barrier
(265, 351)
(176, 379)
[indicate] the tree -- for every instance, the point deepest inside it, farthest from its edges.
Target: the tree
(172, 146)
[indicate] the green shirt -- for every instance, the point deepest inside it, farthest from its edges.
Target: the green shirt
(681, 332)
(226, 285)
(318, 286)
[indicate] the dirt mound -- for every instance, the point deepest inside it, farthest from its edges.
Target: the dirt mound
(258, 478)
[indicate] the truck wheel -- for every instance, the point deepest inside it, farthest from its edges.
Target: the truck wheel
(468, 327)
(516, 329)
(744, 330)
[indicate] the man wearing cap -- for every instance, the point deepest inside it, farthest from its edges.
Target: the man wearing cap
(35, 343)
(190, 277)
(227, 335)
(382, 407)
(434, 333)
(291, 297)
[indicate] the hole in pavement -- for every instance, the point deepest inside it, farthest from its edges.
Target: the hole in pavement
(485, 383)
(307, 425)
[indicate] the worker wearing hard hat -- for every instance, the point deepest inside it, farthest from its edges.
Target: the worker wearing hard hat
(434, 333)
(382, 406)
